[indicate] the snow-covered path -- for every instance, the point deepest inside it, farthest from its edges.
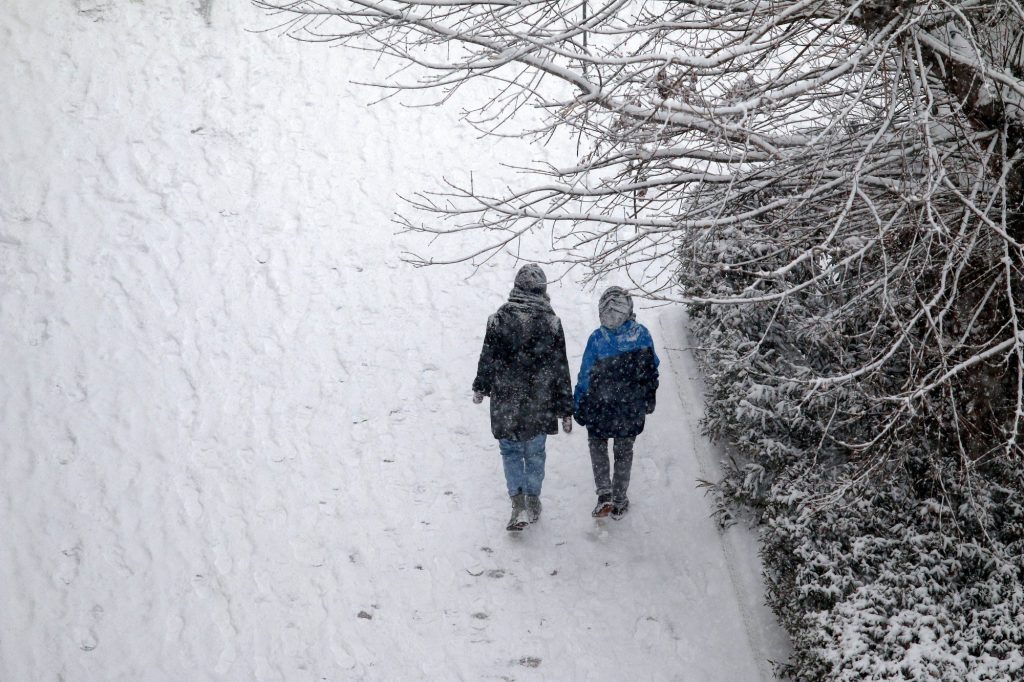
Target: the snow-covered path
(236, 440)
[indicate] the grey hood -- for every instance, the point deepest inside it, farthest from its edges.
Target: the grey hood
(615, 307)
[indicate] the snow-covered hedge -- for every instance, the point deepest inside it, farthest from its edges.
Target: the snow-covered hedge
(904, 566)
(890, 585)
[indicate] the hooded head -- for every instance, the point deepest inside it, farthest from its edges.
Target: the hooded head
(615, 307)
(531, 279)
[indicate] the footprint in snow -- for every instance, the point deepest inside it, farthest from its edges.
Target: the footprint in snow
(87, 640)
(67, 569)
(67, 451)
(493, 573)
(86, 633)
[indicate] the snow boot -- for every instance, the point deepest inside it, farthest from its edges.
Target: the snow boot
(533, 507)
(519, 517)
(603, 508)
(619, 509)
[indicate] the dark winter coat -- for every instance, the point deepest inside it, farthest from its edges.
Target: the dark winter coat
(524, 371)
(617, 382)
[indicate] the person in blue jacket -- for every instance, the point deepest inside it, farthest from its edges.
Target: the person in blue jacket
(614, 393)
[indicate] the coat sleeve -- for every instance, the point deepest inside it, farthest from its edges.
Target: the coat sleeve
(583, 380)
(561, 389)
(484, 381)
(651, 374)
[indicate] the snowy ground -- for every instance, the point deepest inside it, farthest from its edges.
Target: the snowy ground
(236, 440)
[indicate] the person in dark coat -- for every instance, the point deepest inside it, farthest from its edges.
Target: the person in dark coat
(615, 392)
(524, 371)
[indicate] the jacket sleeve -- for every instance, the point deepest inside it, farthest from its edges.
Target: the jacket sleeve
(561, 389)
(583, 380)
(484, 381)
(651, 374)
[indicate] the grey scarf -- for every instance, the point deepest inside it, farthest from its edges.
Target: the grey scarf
(529, 294)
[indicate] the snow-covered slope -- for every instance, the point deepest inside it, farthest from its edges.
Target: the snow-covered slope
(236, 441)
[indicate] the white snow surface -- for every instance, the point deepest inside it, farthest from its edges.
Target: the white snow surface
(236, 436)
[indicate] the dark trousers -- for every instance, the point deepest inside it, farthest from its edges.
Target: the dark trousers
(606, 484)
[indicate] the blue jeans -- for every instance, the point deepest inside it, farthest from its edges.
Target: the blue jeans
(524, 464)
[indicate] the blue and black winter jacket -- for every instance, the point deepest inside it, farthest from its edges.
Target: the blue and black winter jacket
(618, 381)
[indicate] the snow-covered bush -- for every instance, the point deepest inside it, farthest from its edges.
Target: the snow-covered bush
(911, 569)
(887, 585)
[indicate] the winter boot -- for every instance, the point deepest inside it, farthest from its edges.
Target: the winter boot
(519, 517)
(533, 507)
(604, 506)
(619, 509)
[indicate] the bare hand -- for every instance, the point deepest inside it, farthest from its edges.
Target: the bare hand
(567, 424)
